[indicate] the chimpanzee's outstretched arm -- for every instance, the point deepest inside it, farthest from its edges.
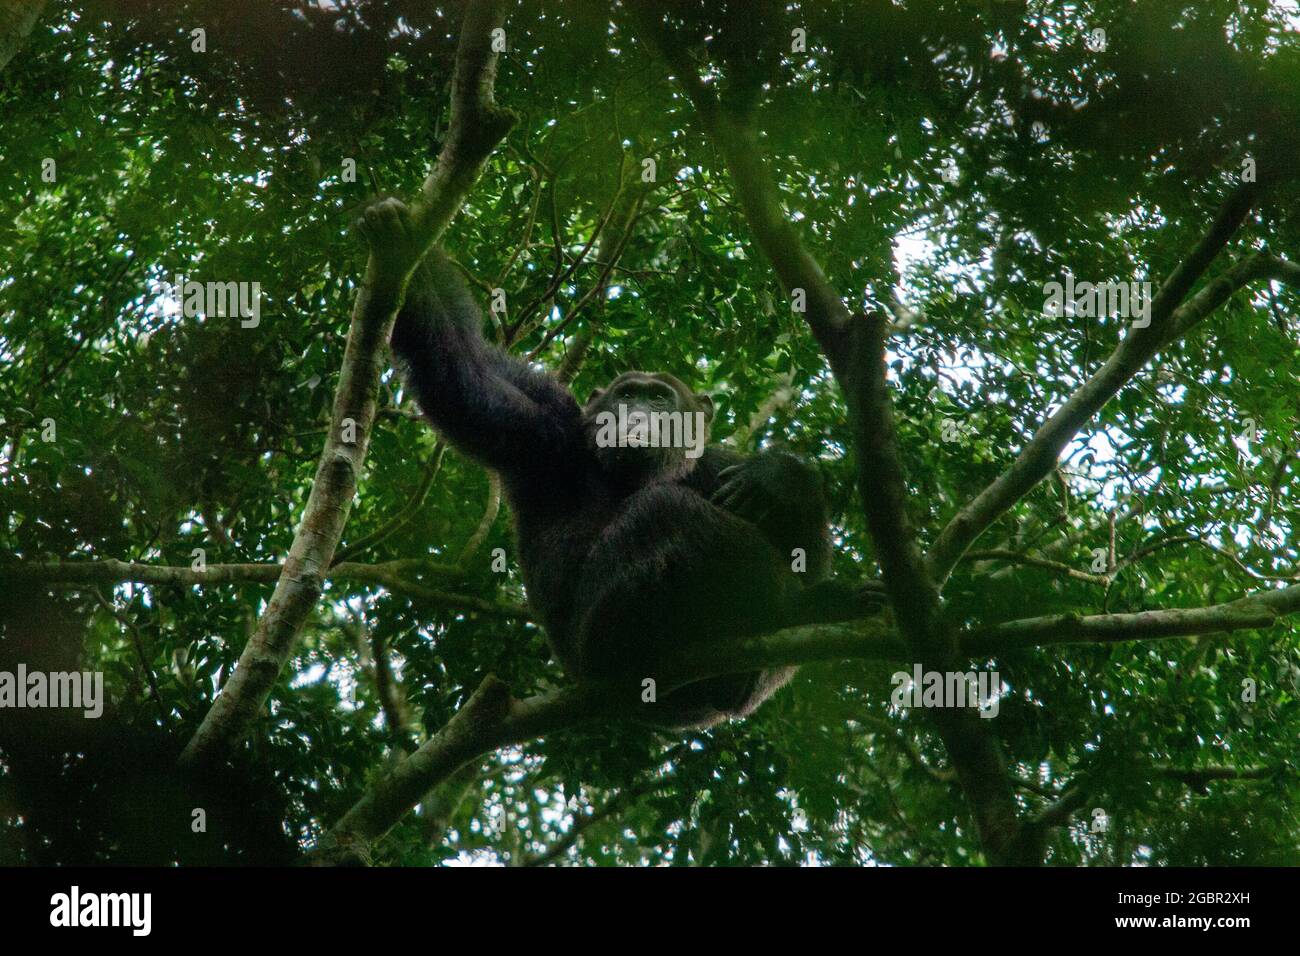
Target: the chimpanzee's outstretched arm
(489, 404)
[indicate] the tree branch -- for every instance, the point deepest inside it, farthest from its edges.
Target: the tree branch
(1199, 776)
(1077, 794)
(608, 254)
(138, 641)
(490, 510)
(495, 720)
(375, 664)
(388, 574)
(737, 140)
(782, 395)
(17, 18)
(491, 718)
(854, 345)
(403, 515)
(1037, 561)
(1223, 552)
(583, 822)
(1282, 270)
(517, 330)
(1168, 321)
(477, 124)
(1257, 610)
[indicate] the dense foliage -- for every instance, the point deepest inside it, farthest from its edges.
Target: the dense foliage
(172, 434)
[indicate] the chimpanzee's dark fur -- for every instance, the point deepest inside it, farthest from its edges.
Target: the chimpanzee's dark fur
(624, 551)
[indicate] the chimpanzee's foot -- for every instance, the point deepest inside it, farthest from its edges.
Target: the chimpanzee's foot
(388, 228)
(834, 600)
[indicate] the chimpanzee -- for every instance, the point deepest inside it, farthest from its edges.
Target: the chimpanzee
(628, 543)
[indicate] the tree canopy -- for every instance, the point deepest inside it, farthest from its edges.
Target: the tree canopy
(839, 219)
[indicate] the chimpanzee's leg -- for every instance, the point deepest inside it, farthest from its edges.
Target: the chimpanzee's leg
(674, 570)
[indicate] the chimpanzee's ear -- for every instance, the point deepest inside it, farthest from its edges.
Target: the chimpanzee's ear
(594, 397)
(706, 405)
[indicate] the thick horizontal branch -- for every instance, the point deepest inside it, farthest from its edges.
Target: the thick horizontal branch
(492, 719)
(1169, 319)
(1257, 610)
(387, 574)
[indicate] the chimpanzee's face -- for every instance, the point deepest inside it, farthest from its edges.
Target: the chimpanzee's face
(645, 425)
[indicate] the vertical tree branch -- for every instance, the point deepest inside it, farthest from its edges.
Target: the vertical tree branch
(737, 142)
(404, 514)
(857, 356)
(854, 347)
